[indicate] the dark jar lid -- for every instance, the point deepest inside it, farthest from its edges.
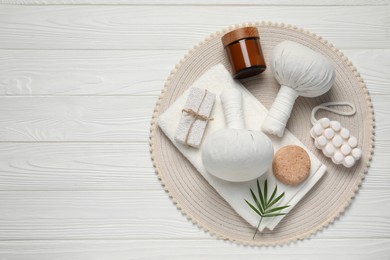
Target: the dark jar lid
(241, 33)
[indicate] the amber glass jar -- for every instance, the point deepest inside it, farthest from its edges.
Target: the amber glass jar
(244, 51)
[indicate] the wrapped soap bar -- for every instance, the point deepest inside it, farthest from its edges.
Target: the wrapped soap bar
(196, 114)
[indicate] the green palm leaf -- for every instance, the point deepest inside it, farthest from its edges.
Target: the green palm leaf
(276, 209)
(254, 208)
(276, 200)
(265, 192)
(260, 208)
(260, 194)
(273, 195)
(264, 206)
(274, 215)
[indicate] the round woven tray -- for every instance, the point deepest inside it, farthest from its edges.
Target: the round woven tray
(328, 198)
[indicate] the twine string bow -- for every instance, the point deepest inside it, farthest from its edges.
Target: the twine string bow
(196, 116)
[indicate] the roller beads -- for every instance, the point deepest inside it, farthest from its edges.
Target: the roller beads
(336, 142)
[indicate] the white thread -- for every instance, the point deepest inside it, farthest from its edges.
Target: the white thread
(231, 99)
(326, 106)
(278, 115)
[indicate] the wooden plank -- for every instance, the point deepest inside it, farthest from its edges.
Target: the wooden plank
(197, 2)
(45, 72)
(373, 66)
(75, 72)
(382, 116)
(148, 214)
(92, 215)
(79, 118)
(100, 118)
(77, 166)
(107, 166)
(362, 233)
(178, 27)
(320, 249)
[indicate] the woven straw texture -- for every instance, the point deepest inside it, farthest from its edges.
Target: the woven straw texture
(331, 195)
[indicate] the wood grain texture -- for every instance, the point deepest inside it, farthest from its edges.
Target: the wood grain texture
(75, 72)
(75, 118)
(100, 118)
(92, 215)
(324, 249)
(74, 165)
(42, 72)
(178, 27)
(147, 214)
(109, 167)
(373, 65)
(195, 2)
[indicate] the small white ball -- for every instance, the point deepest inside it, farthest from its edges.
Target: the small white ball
(345, 133)
(322, 141)
(337, 141)
(345, 149)
(356, 153)
(336, 126)
(338, 157)
(328, 150)
(352, 141)
(329, 133)
(349, 161)
(316, 144)
(312, 134)
(325, 122)
(318, 130)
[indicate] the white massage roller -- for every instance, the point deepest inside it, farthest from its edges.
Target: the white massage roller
(301, 72)
(335, 141)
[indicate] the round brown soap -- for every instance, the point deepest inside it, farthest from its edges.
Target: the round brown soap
(291, 165)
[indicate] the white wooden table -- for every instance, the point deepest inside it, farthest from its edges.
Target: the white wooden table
(78, 83)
